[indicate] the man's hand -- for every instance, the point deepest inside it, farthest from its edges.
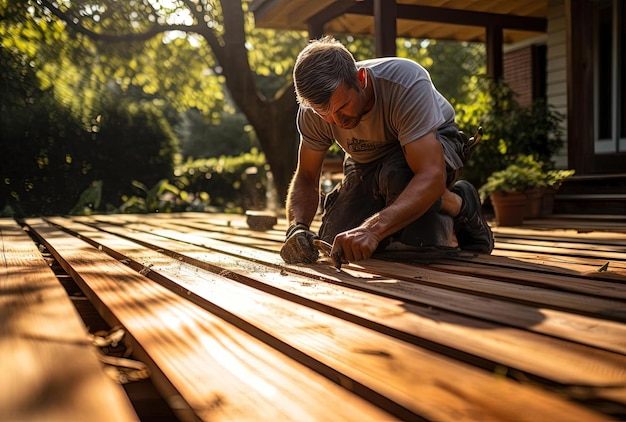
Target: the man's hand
(298, 246)
(355, 244)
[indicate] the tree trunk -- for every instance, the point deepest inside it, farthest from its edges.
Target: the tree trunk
(272, 119)
(274, 122)
(279, 139)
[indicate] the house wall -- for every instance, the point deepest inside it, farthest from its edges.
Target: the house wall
(557, 68)
(518, 74)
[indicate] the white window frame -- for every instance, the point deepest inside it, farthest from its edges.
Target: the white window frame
(615, 143)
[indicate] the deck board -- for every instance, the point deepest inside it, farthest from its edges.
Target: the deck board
(220, 373)
(49, 370)
(382, 369)
(406, 315)
(400, 280)
(532, 332)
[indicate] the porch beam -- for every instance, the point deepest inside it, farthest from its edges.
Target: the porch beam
(456, 16)
(329, 13)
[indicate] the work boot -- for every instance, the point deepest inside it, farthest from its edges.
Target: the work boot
(470, 226)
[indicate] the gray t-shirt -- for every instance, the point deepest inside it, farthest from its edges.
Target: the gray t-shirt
(407, 106)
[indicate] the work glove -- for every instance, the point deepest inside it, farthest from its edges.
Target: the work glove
(298, 246)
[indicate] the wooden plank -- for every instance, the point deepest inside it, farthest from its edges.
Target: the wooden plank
(549, 263)
(602, 255)
(367, 361)
(501, 287)
(403, 284)
(559, 230)
(228, 228)
(609, 232)
(579, 365)
(230, 223)
(584, 222)
(563, 265)
(610, 290)
(219, 371)
(590, 271)
(569, 246)
(556, 300)
(231, 228)
(273, 241)
(234, 226)
(49, 369)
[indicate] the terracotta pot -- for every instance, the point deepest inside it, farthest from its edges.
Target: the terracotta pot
(509, 207)
(533, 202)
(547, 202)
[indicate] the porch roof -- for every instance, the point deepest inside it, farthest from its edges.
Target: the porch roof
(459, 20)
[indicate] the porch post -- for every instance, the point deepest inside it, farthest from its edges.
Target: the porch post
(316, 30)
(385, 27)
(580, 136)
(495, 57)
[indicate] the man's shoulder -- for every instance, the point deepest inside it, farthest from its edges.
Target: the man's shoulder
(395, 69)
(390, 63)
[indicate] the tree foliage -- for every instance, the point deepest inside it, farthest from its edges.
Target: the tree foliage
(133, 141)
(455, 67)
(187, 49)
(202, 55)
(176, 69)
(203, 137)
(48, 155)
(40, 154)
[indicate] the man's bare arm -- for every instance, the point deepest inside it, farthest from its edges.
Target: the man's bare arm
(303, 194)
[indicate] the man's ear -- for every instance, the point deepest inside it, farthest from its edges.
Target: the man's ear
(361, 77)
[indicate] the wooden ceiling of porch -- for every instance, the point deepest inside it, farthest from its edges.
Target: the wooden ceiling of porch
(459, 20)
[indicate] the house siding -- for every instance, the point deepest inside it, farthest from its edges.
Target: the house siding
(556, 89)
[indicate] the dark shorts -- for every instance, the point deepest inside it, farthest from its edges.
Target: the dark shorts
(368, 188)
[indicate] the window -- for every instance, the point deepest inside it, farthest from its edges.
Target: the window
(610, 77)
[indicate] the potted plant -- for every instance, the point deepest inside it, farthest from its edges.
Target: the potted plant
(519, 190)
(553, 180)
(540, 196)
(536, 182)
(515, 192)
(506, 190)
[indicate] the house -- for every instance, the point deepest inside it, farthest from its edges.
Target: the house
(568, 51)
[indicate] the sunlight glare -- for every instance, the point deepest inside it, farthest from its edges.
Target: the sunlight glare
(238, 368)
(175, 14)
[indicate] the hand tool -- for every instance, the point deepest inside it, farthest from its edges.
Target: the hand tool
(326, 247)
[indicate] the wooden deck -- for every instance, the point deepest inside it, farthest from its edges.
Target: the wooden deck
(536, 331)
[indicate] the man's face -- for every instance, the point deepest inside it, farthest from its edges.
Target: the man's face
(346, 107)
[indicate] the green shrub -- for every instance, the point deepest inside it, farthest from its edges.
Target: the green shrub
(48, 156)
(509, 131)
(203, 136)
(43, 158)
(554, 178)
(133, 141)
(519, 176)
(523, 174)
(235, 183)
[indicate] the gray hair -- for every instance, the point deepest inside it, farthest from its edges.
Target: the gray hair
(322, 67)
